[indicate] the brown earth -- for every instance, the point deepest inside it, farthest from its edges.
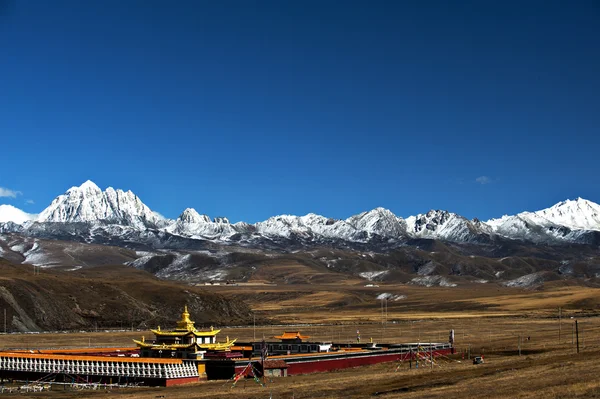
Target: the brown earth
(489, 323)
(103, 297)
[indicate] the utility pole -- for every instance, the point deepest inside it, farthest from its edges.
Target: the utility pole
(559, 323)
(577, 334)
(4, 320)
(254, 326)
(431, 355)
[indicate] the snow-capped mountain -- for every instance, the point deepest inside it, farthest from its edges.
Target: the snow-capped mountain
(565, 221)
(89, 214)
(306, 227)
(579, 214)
(444, 225)
(88, 203)
(379, 221)
(191, 224)
(9, 213)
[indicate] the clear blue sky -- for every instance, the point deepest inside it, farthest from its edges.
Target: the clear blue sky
(249, 109)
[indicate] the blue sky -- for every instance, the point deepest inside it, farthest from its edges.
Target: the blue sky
(252, 109)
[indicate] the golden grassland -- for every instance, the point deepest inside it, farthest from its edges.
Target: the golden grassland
(487, 320)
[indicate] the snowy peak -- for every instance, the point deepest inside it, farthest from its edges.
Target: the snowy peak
(379, 221)
(191, 224)
(444, 225)
(564, 221)
(87, 188)
(430, 221)
(88, 203)
(579, 214)
(9, 213)
(191, 216)
(309, 226)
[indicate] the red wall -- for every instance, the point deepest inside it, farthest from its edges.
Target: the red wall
(335, 364)
(321, 365)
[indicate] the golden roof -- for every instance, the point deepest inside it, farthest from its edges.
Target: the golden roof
(185, 327)
(165, 346)
(292, 335)
(185, 323)
(176, 333)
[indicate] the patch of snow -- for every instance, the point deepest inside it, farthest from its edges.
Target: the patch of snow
(140, 262)
(212, 275)
(526, 281)
(35, 256)
(390, 297)
(20, 248)
(372, 275)
(430, 281)
(426, 269)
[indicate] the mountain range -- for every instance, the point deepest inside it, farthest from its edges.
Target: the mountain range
(94, 215)
(87, 227)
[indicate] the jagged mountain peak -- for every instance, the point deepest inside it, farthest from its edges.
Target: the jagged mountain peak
(569, 220)
(565, 220)
(190, 215)
(444, 225)
(88, 203)
(88, 187)
(578, 214)
(380, 221)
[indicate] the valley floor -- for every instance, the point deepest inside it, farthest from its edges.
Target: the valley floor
(546, 368)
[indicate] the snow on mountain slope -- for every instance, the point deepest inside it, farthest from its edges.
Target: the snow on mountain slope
(87, 203)
(191, 224)
(9, 213)
(579, 214)
(444, 225)
(118, 214)
(307, 226)
(379, 221)
(566, 221)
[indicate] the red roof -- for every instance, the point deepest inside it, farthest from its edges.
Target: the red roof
(292, 335)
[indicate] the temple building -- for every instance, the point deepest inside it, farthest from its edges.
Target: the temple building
(185, 341)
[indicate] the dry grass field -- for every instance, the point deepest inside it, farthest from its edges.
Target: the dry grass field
(487, 320)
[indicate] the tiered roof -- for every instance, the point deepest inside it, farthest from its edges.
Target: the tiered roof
(185, 326)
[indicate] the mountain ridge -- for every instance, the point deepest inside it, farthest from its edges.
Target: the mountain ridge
(566, 221)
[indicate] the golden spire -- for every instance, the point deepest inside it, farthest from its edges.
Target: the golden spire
(185, 323)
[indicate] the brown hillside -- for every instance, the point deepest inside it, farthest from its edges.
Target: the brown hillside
(104, 297)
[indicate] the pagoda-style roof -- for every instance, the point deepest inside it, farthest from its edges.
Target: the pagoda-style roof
(185, 326)
(176, 333)
(292, 335)
(219, 346)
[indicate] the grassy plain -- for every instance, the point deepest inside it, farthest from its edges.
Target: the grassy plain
(487, 320)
